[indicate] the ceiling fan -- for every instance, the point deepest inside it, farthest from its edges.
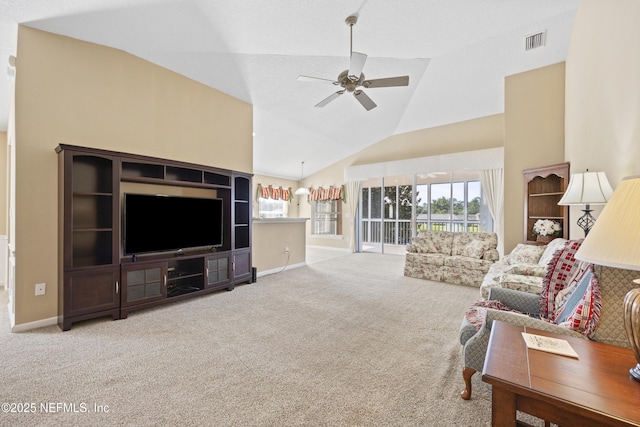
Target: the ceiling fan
(352, 80)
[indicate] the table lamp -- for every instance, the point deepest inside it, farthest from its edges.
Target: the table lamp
(587, 188)
(614, 241)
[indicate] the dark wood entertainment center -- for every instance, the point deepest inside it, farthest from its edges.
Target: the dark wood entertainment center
(96, 279)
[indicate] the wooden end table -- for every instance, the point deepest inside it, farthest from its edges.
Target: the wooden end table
(595, 389)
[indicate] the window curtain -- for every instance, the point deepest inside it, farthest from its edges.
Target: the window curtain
(492, 181)
(353, 198)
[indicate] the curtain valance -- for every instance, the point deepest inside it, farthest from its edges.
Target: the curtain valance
(276, 193)
(323, 194)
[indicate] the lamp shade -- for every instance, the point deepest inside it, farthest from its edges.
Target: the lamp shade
(614, 240)
(587, 188)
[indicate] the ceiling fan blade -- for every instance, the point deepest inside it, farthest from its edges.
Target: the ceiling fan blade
(388, 82)
(315, 79)
(356, 64)
(329, 98)
(366, 102)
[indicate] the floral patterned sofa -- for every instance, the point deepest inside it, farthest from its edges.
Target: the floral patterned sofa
(452, 257)
(523, 269)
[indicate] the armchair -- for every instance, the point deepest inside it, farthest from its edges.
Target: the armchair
(613, 285)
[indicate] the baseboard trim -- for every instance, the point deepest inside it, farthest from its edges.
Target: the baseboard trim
(278, 270)
(23, 327)
(330, 248)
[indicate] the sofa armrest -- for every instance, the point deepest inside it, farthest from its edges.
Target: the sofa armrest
(526, 270)
(523, 302)
(526, 321)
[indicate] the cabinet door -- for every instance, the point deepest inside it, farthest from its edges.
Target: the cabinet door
(241, 266)
(144, 283)
(92, 291)
(218, 271)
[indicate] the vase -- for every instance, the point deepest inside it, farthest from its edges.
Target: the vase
(543, 239)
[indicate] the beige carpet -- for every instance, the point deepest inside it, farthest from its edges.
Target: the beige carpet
(348, 341)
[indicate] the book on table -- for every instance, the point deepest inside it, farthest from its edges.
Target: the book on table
(550, 345)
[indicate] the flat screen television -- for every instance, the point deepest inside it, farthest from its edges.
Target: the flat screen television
(159, 223)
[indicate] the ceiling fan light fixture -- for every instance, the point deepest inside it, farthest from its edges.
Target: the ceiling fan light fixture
(352, 79)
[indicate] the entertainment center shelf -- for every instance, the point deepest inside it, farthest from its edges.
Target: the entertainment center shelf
(99, 278)
(154, 173)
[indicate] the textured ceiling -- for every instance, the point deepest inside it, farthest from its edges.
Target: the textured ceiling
(455, 52)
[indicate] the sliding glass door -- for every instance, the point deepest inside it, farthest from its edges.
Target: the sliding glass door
(371, 216)
(386, 213)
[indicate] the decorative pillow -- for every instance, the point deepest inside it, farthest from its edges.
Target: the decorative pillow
(550, 251)
(579, 309)
(474, 249)
(560, 271)
(525, 254)
(424, 245)
(443, 241)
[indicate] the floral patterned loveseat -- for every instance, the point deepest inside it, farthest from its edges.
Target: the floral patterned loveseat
(523, 269)
(452, 257)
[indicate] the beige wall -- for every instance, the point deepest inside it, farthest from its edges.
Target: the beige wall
(534, 136)
(603, 92)
(3, 183)
(79, 93)
(269, 241)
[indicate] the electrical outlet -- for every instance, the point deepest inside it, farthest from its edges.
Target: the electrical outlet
(41, 288)
(286, 249)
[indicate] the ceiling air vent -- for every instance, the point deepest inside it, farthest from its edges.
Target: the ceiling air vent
(535, 40)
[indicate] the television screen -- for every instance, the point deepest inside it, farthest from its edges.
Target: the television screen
(156, 223)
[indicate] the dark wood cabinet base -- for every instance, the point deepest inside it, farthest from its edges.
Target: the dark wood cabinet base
(66, 322)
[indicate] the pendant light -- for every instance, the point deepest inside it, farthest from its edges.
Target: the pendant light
(302, 191)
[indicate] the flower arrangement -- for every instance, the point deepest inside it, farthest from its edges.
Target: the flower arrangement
(547, 227)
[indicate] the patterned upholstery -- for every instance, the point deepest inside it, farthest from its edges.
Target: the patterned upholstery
(613, 283)
(523, 269)
(452, 257)
(563, 270)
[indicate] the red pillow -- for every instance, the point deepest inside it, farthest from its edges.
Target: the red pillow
(560, 271)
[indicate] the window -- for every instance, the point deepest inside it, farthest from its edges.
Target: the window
(326, 218)
(271, 208)
(453, 206)
(449, 201)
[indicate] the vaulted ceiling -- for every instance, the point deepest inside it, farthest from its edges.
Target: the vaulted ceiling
(455, 52)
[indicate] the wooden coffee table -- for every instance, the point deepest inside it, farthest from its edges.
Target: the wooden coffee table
(595, 389)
